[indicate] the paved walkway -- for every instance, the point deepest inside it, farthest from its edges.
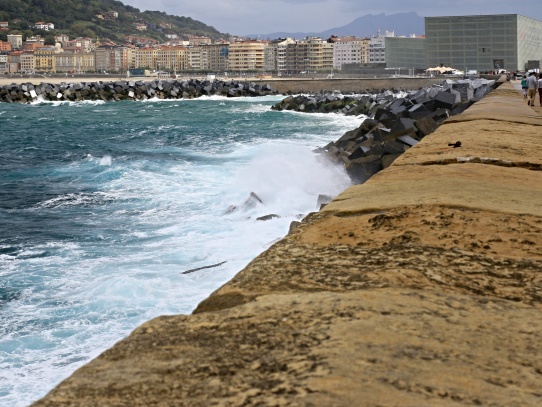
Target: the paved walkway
(537, 108)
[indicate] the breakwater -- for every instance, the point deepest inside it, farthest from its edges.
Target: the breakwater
(395, 121)
(96, 89)
(361, 85)
(130, 90)
(421, 286)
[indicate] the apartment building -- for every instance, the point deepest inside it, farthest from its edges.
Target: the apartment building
(217, 56)
(112, 58)
(75, 62)
(275, 54)
(246, 56)
(44, 59)
(143, 58)
(194, 59)
(172, 58)
(27, 62)
(79, 44)
(309, 55)
(350, 50)
(5, 46)
(195, 40)
(4, 66)
(16, 40)
(62, 38)
(33, 43)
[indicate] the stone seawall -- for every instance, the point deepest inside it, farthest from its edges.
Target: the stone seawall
(420, 287)
(348, 85)
(129, 90)
(25, 91)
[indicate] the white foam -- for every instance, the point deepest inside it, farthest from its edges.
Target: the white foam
(167, 218)
(106, 161)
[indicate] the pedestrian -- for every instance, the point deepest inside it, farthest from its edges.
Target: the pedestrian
(540, 88)
(532, 85)
(524, 86)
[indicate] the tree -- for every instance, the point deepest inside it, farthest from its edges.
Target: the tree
(50, 39)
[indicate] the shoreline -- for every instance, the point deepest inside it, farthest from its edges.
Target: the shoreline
(422, 283)
(280, 85)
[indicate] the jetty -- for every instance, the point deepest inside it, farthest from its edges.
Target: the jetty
(421, 286)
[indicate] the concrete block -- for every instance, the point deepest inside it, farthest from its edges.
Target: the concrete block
(361, 169)
(445, 100)
(388, 159)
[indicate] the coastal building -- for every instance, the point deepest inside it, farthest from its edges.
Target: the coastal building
(320, 55)
(27, 62)
(349, 50)
(484, 42)
(195, 40)
(62, 39)
(34, 42)
(275, 57)
(16, 40)
(194, 59)
(405, 52)
(4, 67)
(44, 26)
(80, 44)
(14, 61)
(5, 46)
(44, 59)
(309, 55)
(75, 62)
(377, 48)
(246, 56)
(172, 58)
(143, 58)
(216, 56)
(112, 58)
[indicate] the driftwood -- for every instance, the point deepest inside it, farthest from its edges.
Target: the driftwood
(202, 268)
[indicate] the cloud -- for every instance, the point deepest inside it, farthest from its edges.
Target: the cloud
(265, 16)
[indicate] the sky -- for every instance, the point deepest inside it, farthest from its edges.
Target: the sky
(242, 17)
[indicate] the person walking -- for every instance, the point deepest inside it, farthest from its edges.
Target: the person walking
(532, 85)
(540, 88)
(524, 87)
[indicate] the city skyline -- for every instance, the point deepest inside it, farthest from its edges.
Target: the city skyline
(242, 17)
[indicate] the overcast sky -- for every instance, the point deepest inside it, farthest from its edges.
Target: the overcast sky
(267, 16)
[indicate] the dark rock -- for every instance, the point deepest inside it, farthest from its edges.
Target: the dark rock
(268, 217)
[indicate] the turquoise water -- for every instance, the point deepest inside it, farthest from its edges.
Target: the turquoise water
(104, 205)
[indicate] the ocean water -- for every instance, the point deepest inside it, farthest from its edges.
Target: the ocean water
(104, 205)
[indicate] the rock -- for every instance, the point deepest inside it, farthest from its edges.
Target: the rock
(252, 201)
(268, 217)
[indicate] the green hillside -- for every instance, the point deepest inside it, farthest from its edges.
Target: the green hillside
(79, 18)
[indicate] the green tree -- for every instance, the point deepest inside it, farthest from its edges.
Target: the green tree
(50, 39)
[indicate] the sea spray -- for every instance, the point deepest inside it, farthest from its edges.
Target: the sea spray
(104, 205)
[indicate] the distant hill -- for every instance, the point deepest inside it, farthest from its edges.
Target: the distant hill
(366, 26)
(80, 18)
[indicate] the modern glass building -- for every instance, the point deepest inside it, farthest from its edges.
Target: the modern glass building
(406, 52)
(484, 43)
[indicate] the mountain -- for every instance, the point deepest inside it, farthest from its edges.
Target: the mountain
(96, 18)
(366, 26)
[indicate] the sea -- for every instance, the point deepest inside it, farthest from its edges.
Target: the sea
(105, 206)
